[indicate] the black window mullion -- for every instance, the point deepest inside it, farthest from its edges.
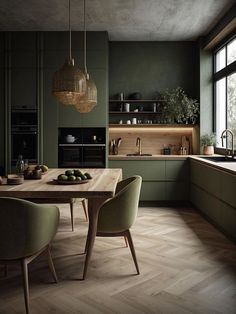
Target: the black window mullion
(229, 69)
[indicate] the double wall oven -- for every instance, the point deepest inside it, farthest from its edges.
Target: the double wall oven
(82, 148)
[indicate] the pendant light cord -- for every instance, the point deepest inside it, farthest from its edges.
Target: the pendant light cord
(85, 41)
(70, 32)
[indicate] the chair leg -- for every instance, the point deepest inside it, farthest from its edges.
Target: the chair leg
(24, 267)
(85, 209)
(126, 241)
(51, 264)
(72, 214)
(131, 245)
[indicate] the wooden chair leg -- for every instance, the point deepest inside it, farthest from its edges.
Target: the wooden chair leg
(24, 267)
(85, 209)
(72, 214)
(126, 241)
(51, 264)
(131, 245)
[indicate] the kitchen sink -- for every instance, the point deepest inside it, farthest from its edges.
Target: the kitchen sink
(219, 159)
(136, 154)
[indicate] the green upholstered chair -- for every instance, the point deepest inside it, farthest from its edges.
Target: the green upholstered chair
(70, 201)
(26, 230)
(117, 215)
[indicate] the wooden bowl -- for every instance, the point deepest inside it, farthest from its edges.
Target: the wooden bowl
(14, 179)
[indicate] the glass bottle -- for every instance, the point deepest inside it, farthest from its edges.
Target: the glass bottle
(20, 166)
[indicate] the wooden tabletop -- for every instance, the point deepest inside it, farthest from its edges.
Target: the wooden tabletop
(102, 184)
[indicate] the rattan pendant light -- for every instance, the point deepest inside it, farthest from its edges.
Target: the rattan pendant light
(69, 83)
(89, 100)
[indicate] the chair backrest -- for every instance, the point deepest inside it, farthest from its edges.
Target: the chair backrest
(25, 227)
(118, 213)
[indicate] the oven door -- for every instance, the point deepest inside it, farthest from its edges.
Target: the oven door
(94, 155)
(24, 143)
(70, 156)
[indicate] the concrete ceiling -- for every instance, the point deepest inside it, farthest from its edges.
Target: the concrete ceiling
(125, 20)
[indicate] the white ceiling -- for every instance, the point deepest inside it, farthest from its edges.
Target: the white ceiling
(132, 20)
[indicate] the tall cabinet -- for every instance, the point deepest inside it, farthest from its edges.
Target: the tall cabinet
(20, 97)
(28, 61)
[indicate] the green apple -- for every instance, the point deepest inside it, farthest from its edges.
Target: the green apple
(62, 177)
(71, 178)
(69, 173)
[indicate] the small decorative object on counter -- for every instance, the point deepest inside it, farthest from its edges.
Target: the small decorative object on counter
(134, 121)
(20, 166)
(128, 122)
(121, 122)
(166, 151)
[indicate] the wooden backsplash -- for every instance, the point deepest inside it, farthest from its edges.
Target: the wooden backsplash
(154, 140)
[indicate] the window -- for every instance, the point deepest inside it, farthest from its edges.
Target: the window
(225, 90)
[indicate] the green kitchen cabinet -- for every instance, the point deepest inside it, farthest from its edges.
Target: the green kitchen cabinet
(207, 177)
(162, 180)
(212, 191)
(153, 191)
(228, 188)
(177, 170)
(23, 67)
(50, 122)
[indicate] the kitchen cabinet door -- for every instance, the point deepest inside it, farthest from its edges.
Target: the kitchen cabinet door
(177, 170)
(153, 191)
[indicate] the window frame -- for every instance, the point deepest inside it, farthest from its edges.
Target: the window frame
(223, 73)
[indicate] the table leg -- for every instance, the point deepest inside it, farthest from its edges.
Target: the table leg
(93, 210)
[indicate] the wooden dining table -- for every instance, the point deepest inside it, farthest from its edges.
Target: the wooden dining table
(102, 186)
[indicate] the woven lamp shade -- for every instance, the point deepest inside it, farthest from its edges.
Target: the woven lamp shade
(89, 100)
(69, 84)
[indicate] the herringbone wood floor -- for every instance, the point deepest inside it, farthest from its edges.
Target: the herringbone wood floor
(186, 265)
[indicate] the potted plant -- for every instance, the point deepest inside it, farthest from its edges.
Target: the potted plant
(179, 107)
(208, 141)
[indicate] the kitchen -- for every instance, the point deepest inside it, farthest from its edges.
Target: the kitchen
(121, 67)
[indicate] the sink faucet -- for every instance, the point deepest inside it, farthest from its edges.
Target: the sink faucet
(138, 144)
(224, 134)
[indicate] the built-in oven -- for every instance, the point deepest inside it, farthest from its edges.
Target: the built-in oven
(70, 155)
(24, 142)
(94, 155)
(24, 134)
(88, 149)
(81, 155)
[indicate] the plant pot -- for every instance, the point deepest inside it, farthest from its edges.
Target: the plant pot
(208, 150)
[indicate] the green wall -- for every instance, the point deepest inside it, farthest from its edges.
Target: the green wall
(148, 67)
